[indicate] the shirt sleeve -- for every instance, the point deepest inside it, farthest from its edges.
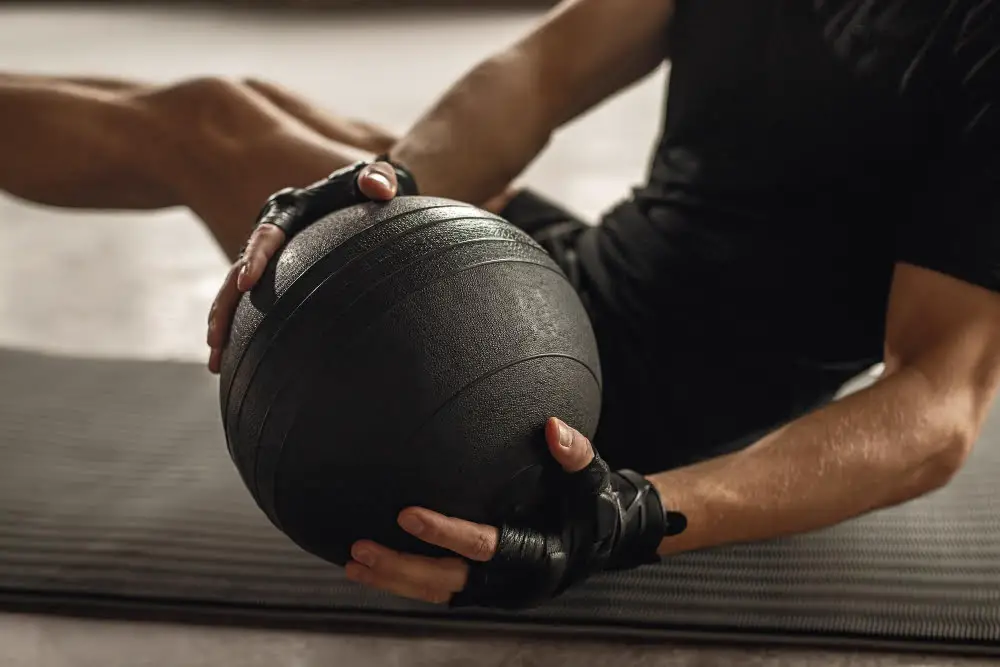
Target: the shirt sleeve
(954, 224)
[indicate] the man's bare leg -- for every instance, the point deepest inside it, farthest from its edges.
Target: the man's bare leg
(70, 145)
(217, 147)
(108, 84)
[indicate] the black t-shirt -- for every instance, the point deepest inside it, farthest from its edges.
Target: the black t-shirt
(808, 146)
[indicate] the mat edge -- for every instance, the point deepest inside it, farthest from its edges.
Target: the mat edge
(220, 615)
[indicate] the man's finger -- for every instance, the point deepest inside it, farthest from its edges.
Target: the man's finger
(403, 588)
(475, 541)
(377, 181)
(223, 308)
(588, 475)
(215, 360)
(570, 448)
(448, 574)
(264, 242)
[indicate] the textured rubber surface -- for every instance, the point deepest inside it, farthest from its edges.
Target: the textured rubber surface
(404, 353)
(117, 495)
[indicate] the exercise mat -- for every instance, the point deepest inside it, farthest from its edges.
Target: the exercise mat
(117, 496)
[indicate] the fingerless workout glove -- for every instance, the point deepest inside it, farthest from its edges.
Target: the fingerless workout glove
(294, 209)
(603, 521)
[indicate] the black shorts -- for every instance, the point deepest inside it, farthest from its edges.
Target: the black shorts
(666, 405)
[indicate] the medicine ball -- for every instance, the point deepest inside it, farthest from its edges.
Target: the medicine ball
(404, 353)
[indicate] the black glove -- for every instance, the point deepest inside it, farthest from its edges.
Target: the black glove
(294, 209)
(603, 521)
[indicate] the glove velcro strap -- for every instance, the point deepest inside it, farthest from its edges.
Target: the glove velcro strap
(643, 523)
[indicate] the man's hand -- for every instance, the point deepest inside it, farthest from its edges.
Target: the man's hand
(218, 147)
(376, 181)
(598, 520)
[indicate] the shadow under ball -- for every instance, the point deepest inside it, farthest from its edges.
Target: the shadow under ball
(404, 354)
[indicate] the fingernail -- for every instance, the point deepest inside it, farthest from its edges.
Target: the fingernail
(565, 435)
(243, 277)
(380, 179)
(411, 524)
(363, 556)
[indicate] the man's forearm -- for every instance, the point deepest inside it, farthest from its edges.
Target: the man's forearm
(494, 122)
(481, 135)
(887, 444)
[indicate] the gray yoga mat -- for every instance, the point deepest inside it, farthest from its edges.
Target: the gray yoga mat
(117, 496)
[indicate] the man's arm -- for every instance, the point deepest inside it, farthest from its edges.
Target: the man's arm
(904, 436)
(488, 127)
(493, 123)
(218, 147)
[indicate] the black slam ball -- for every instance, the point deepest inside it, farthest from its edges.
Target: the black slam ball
(404, 354)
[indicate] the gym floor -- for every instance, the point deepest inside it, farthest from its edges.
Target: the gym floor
(139, 285)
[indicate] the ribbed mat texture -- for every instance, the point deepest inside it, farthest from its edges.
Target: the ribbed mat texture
(115, 484)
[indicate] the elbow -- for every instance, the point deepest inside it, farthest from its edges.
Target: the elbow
(950, 450)
(946, 420)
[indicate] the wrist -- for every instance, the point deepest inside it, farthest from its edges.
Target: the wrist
(494, 204)
(498, 204)
(646, 520)
(642, 521)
